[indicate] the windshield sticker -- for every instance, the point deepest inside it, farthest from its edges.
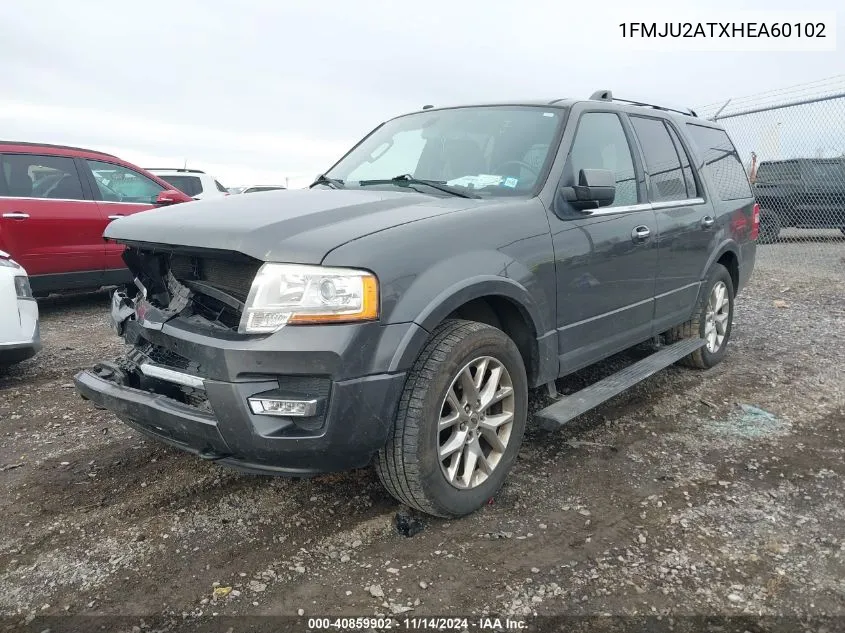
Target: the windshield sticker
(549, 114)
(510, 182)
(476, 182)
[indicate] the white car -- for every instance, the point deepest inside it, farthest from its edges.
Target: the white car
(257, 188)
(20, 337)
(194, 182)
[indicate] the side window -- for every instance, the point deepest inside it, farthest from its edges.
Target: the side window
(190, 185)
(720, 161)
(48, 177)
(661, 158)
(120, 184)
(689, 179)
(600, 143)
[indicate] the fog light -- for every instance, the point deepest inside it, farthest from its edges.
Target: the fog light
(287, 408)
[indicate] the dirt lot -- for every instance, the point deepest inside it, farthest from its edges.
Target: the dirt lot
(672, 499)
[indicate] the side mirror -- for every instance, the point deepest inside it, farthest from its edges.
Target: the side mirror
(171, 196)
(596, 188)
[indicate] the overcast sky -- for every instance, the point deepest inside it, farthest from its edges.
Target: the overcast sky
(260, 90)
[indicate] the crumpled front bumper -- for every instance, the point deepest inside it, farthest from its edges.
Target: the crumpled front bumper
(343, 366)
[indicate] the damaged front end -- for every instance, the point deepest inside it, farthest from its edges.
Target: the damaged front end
(261, 403)
(205, 292)
(167, 283)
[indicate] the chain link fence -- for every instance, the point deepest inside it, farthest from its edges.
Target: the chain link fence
(792, 143)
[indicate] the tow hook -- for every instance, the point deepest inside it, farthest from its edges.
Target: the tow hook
(111, 372)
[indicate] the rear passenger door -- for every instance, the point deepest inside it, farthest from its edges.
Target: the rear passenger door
(120, 191)
(48, 221)
(606, 259)
(686, 225)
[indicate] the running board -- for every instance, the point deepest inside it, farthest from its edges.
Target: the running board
(568, 407)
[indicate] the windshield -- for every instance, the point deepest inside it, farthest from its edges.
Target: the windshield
(491, 150)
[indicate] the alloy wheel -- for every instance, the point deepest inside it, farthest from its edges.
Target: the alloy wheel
(717, 317)
(476, 419)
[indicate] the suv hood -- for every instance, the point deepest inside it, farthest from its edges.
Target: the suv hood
(295, 226)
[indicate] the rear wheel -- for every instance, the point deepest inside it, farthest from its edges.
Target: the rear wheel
(712, 320)
(770, 227)
(460, 421)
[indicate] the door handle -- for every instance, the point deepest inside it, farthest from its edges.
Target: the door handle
(707, 222)
(16, 215)
(115, 217)
(640, 234)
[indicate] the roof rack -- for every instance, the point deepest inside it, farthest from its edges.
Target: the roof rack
(607, 95)
(54, 146)
(181, 169)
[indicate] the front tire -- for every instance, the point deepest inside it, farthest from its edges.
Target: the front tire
(460, 421)
(712, 320)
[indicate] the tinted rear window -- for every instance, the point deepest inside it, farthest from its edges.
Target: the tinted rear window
(778, 172)
(662, 160)
(719, 160)
(33, 176)
(190, 185)
(826, 172)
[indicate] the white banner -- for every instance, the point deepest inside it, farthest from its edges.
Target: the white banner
(717, 30)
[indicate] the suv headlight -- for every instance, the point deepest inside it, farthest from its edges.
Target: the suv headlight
(296, 294)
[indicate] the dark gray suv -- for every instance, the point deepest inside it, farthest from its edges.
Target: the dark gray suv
(400, 309)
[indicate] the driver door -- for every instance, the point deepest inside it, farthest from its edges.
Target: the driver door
(119, 192)
(606, 259)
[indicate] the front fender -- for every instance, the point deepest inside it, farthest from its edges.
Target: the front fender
(449, 284)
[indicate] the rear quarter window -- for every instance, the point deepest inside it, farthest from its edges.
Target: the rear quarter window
(719, 162)
(190, 185)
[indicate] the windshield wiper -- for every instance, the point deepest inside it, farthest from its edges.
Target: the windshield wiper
(408, 179)
(322, 179)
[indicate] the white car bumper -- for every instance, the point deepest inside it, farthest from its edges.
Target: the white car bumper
(20, 337)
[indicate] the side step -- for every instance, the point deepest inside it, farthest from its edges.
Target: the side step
(568, 407)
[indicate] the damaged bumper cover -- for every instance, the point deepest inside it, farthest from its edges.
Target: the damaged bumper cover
(190, 385)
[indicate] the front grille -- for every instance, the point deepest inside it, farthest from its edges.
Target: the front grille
(208, 287)
(163, 356)
(232, 277)
(216, 311)
(316, 386)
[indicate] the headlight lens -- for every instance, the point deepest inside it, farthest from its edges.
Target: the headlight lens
(22, 287)
(291, 293)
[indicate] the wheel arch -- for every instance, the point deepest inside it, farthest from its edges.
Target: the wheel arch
(728, 254)
(497, 301)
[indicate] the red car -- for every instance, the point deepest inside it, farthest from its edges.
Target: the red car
(55, 203)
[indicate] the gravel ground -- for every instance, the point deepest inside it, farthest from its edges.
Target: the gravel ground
(716, 493)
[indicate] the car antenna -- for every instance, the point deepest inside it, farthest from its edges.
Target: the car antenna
(427, 107)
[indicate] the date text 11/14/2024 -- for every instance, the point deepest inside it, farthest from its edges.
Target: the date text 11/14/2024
(417, 624)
